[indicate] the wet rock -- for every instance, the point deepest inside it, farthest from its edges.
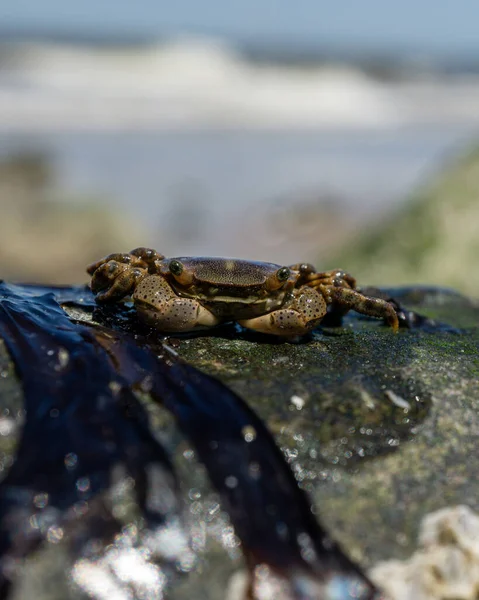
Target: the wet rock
(380, 429)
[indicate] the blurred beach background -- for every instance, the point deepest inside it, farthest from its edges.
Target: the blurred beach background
(283, 132)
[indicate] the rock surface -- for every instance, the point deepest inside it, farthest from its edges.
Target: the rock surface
(380, 429)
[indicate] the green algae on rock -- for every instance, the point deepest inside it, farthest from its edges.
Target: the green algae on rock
(430, 239)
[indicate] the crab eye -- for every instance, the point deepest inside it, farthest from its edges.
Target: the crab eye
(283, 274)
(176, 268)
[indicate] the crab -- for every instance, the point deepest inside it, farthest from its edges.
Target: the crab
(186, 293)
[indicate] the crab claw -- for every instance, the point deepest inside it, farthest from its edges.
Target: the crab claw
(113, 280)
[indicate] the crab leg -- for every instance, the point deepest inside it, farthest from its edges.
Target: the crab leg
(366, 305)
(139, 257)
(335, 278)
(126, 259)
(150, 257)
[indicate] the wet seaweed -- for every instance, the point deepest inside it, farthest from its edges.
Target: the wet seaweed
(84, 419)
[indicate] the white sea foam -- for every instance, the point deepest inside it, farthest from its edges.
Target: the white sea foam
(204, 83)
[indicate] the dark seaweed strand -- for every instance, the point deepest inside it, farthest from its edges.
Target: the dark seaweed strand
(101, 425)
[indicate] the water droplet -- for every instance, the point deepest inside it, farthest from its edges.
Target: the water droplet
(54, 534)
(393, 442)
(83, 484)
(115, 387)
(291, 453)
(254, 470)
(282, 530)
(80, 508)
(307, 548)
(214, 509)
(71, 460)
(63, 359)
(40, 500)
(33, 522)
(147, 384)
(231, 482)
(131, 531)
(7, 426)
(249, 433)
(196, 508)
(228, 538)
(194, 494)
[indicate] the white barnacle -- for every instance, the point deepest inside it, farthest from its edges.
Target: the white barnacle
(297, 402)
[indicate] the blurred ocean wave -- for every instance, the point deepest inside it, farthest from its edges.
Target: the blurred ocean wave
(202, 83)
(211, 150)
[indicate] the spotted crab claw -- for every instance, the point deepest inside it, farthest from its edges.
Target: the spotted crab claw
(114, 280)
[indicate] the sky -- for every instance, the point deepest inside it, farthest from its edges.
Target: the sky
(443, 26)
